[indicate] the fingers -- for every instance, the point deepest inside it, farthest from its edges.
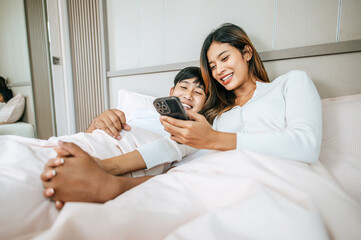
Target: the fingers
(169, 127)
(54, 162)
(107, 125)
(59, 204)
(114, 123)
(126, 127)
(48, 174)
(49, 169)
(194, 116)
(173, 121)
(122, 119)
(62, 152)
(72, 148)
(48, 192)
(177, 139)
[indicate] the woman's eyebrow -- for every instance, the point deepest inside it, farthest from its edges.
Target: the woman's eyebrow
(219, 55)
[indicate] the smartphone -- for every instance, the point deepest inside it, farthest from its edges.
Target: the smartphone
(170, 106)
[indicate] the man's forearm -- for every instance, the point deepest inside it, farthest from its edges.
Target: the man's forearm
(123, 164)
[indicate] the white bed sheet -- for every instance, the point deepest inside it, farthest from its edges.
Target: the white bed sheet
(222, 195)
(234, 195)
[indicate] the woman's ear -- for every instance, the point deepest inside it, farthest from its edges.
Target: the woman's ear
(171, 91)
(247, 52)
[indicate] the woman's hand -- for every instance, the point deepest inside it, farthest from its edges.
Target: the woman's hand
(197, 133)
(77, 178)
(111, 121)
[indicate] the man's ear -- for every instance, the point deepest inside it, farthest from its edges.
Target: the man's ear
(171, 91)
(247, 52)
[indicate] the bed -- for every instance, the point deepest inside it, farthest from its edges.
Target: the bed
(225, 195)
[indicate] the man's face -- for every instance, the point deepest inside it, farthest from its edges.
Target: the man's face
(191, 94)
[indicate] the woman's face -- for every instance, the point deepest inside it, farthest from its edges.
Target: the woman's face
(191, 94)
(227, 65)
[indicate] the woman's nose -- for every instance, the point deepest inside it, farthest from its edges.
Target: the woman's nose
(220, 68)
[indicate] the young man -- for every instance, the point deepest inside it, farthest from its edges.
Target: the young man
(145, 145)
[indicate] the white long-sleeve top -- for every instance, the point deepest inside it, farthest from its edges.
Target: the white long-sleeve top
(282, 119)
(151, 140)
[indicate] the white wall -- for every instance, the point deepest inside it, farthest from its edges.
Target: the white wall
(14, 52)
(146, 33)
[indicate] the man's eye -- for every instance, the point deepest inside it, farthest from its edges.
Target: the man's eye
(183, 87)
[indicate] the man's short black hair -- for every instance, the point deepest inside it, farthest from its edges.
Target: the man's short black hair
(190, 72)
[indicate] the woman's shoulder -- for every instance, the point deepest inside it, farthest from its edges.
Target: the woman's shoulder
(293, 75)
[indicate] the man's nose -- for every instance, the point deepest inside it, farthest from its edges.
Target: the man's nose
(188, 94)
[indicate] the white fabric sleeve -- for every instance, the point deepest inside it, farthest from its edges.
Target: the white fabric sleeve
(163, 150)
(301, 139)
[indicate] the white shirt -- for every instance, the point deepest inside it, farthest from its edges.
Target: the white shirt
(158, 147)
(282, 119)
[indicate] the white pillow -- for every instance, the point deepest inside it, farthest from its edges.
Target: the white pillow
(13, 110)
(341, 141)
(129, 102)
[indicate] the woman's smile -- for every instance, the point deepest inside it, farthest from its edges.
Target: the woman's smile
(226, 79)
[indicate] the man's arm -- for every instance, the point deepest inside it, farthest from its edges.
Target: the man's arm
(123, 164)
(111, 121)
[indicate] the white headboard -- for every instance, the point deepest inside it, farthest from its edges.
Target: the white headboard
(333, 74)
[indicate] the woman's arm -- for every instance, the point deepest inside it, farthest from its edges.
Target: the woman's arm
(198, 133)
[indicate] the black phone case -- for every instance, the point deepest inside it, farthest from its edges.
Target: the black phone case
(170, 106)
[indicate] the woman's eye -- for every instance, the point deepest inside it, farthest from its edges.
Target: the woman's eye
(212, 67)
(183, 87)
(199, 93)
(224, 59)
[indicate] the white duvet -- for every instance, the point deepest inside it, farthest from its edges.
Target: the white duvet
(221, 195)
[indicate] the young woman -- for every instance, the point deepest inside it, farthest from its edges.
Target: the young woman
(281, 118)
